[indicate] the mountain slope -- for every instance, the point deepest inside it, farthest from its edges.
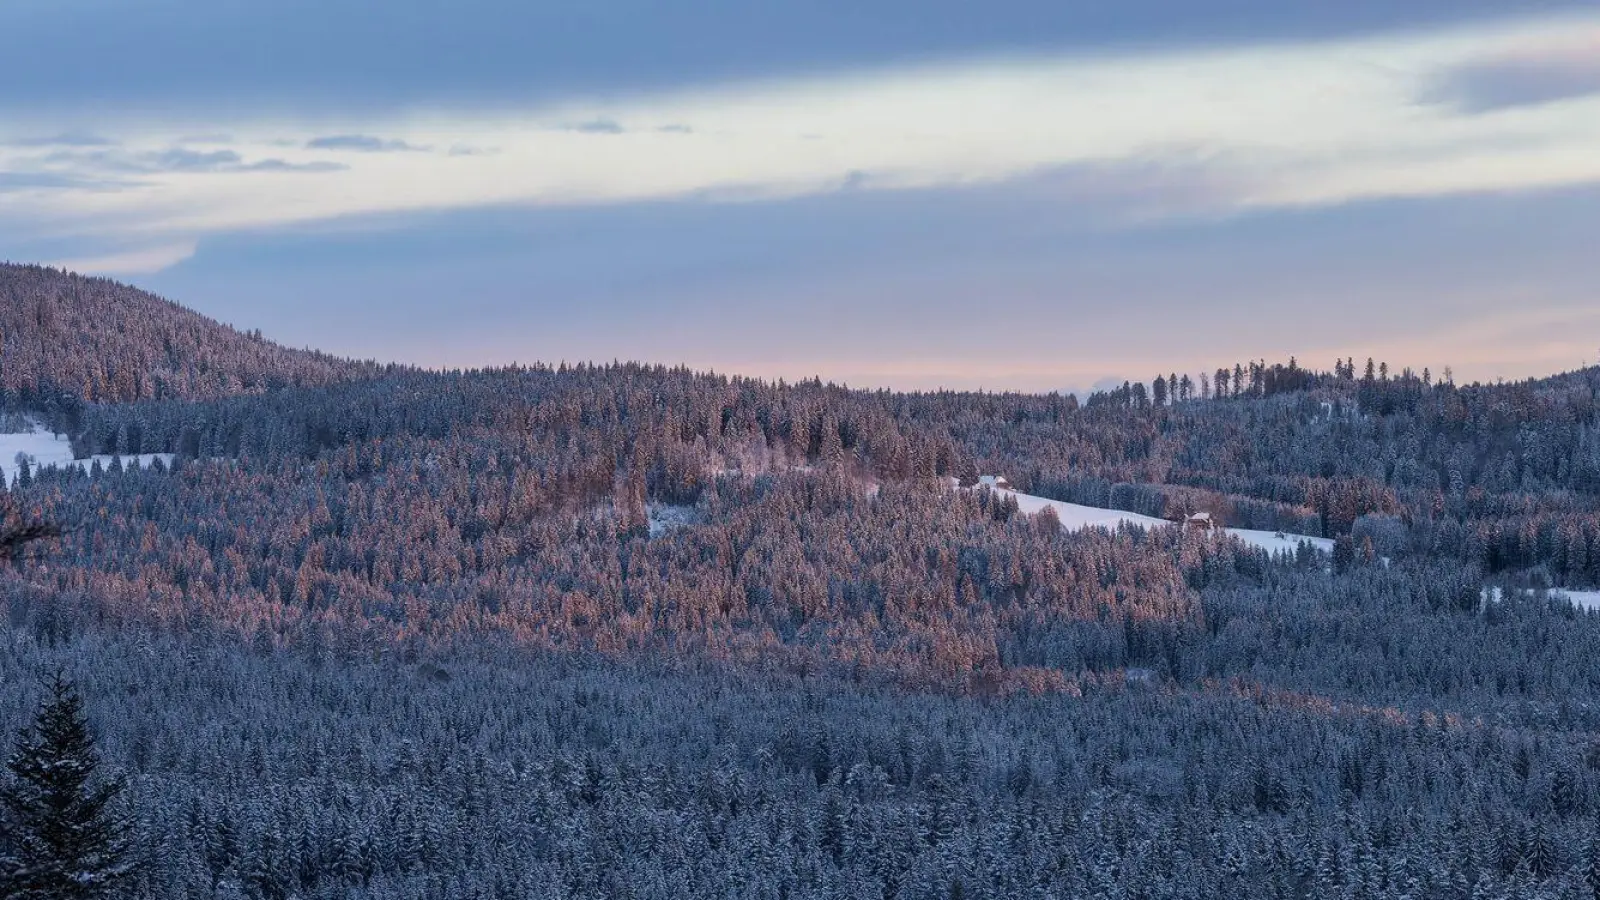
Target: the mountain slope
(104, 342)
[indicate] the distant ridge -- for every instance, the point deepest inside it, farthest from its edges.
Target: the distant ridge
(93, 339)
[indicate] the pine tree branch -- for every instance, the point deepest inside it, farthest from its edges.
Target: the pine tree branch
(16, 537)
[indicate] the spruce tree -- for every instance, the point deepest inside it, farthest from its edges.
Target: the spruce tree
(63, 836)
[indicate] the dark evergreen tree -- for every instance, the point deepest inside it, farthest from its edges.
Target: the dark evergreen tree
(64, 835)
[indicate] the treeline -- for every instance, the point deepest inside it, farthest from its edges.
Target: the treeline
(1257, 379)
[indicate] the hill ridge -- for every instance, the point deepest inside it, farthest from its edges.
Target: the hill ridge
(67, 338)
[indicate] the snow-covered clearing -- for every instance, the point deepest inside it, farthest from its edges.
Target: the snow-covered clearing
(1075, 517)
(1580, 599)
(45, 450)
(664, 517)
(1279, 541)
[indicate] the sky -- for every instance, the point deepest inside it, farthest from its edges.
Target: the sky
(1014, 195)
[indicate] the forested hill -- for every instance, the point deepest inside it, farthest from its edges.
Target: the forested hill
(102, 342)
(635, 631)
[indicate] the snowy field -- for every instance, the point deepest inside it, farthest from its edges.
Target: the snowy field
(1075, 517)
(45, 450)
(1580, 599)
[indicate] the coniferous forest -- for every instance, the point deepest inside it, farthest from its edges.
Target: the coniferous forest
(641, 632)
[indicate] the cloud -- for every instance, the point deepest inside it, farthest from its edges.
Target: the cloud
(1508, 84)
(45, 181)
(179, 159)
(1218, 131)
(598, 126)
(174, 160)
(360, 143)
(278, 165)
(328, 57)
(65, 139)
(137, 261)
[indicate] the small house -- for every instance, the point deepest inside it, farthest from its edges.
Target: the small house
(1200, 521)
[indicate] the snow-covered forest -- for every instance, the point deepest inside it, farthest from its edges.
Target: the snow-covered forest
(372, 631)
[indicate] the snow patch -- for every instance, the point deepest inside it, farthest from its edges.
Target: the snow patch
(1589, 600)
(1586, 600)
(45, 450)
(1075, 517)
(1278, 541)
(663, 517)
